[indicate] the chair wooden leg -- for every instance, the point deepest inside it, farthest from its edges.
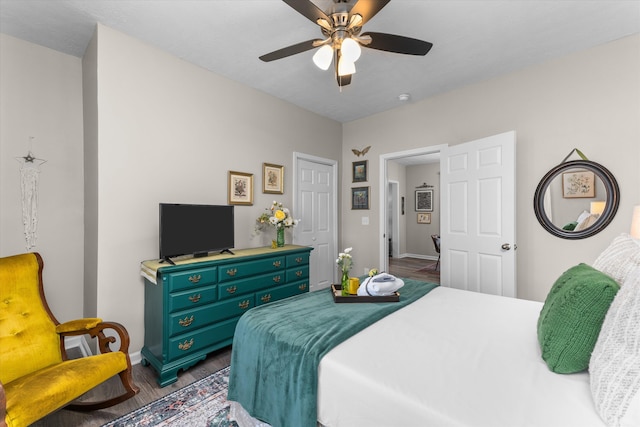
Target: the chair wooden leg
(437, 263)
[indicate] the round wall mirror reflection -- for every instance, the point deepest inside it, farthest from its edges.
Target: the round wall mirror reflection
(576, 199)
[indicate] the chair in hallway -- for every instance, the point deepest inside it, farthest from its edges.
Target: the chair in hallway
(436, 244)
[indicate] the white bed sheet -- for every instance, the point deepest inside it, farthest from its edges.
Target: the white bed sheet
(452, 358)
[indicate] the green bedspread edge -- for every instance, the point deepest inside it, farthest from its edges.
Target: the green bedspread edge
(277, 348)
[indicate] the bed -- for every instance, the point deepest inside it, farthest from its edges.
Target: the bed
(457, 358)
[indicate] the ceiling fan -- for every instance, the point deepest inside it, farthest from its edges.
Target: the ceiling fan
(341, 28)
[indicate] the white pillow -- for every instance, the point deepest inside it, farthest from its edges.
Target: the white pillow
(583, 216)
(615, 361)
(620, 258)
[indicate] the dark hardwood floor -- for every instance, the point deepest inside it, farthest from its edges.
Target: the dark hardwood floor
(145, 377)
(415, 268)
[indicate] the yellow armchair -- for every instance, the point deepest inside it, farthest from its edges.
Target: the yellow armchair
(36, 376)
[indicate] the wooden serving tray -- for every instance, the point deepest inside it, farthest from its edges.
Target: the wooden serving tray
(336, 291)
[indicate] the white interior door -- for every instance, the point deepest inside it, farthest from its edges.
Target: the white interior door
(315, 203)
(478, 215)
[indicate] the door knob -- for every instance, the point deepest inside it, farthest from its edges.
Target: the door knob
(506, 246)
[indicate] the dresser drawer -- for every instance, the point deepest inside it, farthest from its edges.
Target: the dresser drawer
(281, 292)
(300, 273)
(193, 298)
(186, 344)
(251, 284)
(189, 279)
(297, 259)
(239, 270)
(188, 320)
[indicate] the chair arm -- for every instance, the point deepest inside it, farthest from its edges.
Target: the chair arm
(105, 340)
(78, 325)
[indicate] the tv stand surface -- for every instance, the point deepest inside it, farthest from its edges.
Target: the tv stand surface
(192, 307)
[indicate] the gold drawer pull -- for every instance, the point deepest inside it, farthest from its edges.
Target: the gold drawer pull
(299, 260)
(186, 345)
(232, 271)
(232, 289)
(277, 264)
(266, 298)
(187, 321)
(195, 278)
(302, 287)
(299, 273)
(277, 279)
(195, 298)
(244, 304)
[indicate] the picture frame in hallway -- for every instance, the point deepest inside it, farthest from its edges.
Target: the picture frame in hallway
(272, 179)
(424, 218)
(240, 188)
(359, 198)
(424, 200)
(360, 171)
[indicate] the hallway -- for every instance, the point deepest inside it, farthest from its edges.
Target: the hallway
(415, 268)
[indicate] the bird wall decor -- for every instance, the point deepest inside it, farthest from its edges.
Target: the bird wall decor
(361, 153)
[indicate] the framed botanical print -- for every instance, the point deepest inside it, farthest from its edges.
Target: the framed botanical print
(360, 171)
(424, 218)
(272, 178)
(360, 198)
(240, 191)
(424, 200)
(578, 184)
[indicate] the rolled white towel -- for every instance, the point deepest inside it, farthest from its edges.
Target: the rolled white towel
(380, 285)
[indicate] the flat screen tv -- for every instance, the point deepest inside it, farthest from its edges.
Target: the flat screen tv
(196, 230)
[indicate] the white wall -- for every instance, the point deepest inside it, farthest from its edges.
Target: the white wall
(589, 100)
(169, 131)
(41, 96)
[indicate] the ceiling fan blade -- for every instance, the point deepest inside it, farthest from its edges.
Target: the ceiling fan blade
(397, 44)
(367, 8)
(291, 50)
(308, 9)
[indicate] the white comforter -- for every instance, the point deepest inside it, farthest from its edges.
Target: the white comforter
(452, 358)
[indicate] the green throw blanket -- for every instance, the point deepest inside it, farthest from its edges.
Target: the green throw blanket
(277, 348)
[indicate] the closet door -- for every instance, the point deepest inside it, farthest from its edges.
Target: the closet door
(316, 205)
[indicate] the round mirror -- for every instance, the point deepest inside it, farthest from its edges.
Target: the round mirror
(576, 199)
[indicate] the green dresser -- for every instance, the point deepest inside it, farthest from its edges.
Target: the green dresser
(191, 308)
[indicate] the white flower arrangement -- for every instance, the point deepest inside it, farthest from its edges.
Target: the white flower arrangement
(345, 260)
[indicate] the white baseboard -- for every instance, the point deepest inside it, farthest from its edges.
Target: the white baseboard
(81, 344)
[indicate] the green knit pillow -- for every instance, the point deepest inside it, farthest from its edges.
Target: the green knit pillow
(572, 316)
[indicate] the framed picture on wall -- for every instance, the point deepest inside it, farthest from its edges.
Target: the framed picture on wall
(240, 191)
(360, 171)
(424, 200)
(424, 218)
(578, 184)
(360, 198)
(272, 178)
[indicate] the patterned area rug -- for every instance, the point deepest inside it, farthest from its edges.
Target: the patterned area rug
(202, 403)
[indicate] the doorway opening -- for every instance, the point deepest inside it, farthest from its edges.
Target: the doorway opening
(396, 214)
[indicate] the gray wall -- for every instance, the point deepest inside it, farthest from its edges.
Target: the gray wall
(589, 100)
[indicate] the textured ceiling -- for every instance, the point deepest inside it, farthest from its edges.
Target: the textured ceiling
(474, 40)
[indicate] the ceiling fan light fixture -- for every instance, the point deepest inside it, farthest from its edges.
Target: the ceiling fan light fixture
(346, 67)
(322, 58)
(350, 49)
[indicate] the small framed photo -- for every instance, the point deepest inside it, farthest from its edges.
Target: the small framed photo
(360, 171)
(424, 200)
(272, 178)
(360, 198)
(240, 190)
(578, 184)
(424, 218)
